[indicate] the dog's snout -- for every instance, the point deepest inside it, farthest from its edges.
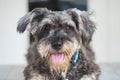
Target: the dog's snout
(57, 45)
(57, 39)
(57, 42)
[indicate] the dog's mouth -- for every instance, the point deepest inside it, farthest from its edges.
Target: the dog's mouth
(57, 57)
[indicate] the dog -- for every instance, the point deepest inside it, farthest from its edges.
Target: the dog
(61, 48)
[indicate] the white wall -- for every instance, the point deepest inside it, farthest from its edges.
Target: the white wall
(106, 41)
(12, 44)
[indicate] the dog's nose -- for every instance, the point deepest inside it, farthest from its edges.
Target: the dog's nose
(57, 45)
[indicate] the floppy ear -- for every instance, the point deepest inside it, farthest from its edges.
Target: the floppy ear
(26, 19)
(23, 22)
(88, 27)
(84, 24)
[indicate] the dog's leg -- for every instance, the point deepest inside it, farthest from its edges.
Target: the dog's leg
(93, 76)
(38, 77)
(35, 76)
(31, 74)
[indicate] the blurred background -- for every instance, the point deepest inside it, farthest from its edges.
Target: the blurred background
(106, 40)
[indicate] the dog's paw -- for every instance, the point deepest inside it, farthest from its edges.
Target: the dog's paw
(88, 77)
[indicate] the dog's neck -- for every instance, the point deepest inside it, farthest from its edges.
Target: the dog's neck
(74, 61)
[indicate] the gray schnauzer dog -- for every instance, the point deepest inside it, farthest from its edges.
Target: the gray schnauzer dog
(61, 47)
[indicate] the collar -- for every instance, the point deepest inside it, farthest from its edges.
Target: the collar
(76, 56)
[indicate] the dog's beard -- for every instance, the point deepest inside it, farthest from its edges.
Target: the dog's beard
(57, 60)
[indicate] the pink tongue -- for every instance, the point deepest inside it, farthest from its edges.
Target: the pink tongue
(57, 57)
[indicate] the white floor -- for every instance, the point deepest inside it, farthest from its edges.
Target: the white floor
(109, 72)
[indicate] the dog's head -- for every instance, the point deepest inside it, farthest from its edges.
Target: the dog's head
(59, 34)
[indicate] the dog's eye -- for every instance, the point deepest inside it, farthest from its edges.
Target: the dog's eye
(68, 27)
(47, 27)
(69, 30)
(45, 31)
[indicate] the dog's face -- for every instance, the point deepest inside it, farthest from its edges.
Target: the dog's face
(59, 34)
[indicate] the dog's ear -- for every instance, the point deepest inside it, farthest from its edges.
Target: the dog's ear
(84, 24)
(26, 19)
(88, 27)
(23, 22)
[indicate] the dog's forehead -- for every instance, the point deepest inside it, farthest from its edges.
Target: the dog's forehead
(58, 17)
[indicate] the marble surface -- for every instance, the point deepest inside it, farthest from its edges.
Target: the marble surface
(109, 72)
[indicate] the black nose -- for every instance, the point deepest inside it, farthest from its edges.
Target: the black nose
(57, 45)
